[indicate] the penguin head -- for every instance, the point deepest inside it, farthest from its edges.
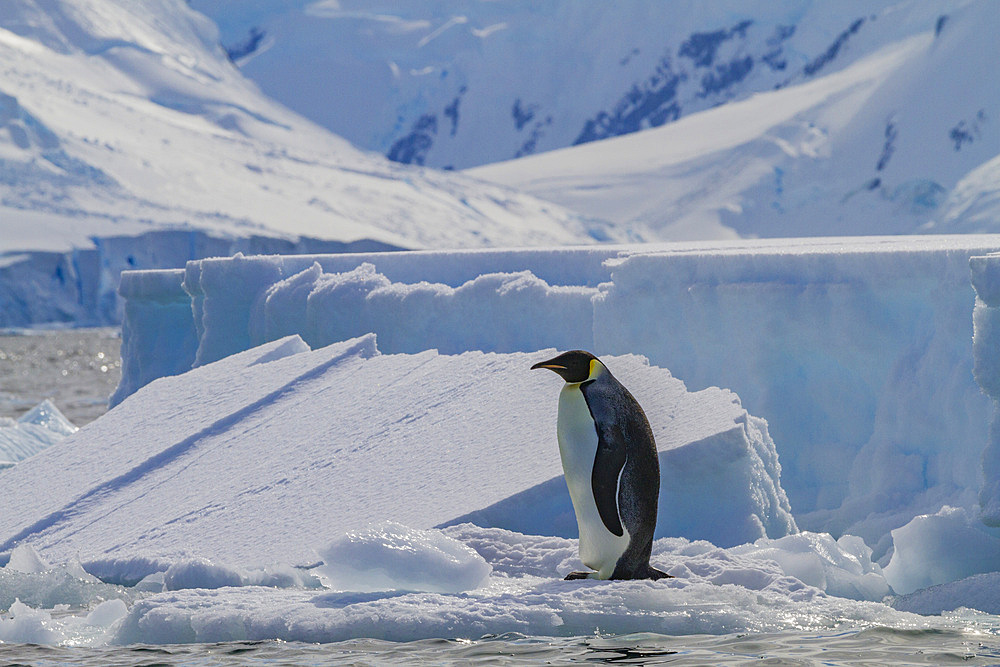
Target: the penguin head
(573, 366)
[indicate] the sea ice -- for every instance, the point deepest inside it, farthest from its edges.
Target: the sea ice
(714, 591)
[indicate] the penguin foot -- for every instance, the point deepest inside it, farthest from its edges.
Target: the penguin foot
(572, 576)
(655, 574)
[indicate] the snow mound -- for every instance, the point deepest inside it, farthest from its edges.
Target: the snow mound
(391, 556)
(841, 567)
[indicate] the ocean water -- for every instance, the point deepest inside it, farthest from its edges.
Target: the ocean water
(78, 369)
(872, 646)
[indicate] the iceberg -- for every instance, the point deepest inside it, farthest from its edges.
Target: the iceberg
(856, 351)
(345, 436)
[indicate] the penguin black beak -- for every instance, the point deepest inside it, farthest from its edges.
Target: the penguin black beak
(545, 364)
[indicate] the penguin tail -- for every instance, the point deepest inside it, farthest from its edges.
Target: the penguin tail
(655, 574)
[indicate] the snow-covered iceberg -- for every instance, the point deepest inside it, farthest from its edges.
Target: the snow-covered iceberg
(285, 441)
(857, 351)
(224, 496)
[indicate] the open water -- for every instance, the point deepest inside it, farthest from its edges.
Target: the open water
(874, 646)
(78, 369)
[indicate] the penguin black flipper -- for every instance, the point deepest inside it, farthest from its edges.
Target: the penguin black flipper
(608, 464)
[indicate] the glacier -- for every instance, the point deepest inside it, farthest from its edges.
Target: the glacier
(464, 85)
(691, 120)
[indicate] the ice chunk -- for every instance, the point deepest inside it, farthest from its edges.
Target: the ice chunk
(307, 439)
(985, 272)
(392, 556)
(980, 591)
(47, 414)
(25, 559)
(840, 567)
(157, 317)
(939, 548)
(40, 427)
(27, 626)
(200, 573)
(107, 613)
(58, 585)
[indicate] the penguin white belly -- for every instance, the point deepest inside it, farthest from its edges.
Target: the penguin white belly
(599, 547)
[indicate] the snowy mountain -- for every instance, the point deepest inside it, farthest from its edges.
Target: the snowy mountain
(120, 118)
(470, 83)
(898, 142)
(129, 140)
(835, 119)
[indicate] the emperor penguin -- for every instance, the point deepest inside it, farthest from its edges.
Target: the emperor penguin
(611, 467)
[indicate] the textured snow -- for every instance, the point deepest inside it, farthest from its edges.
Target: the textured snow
(391, 556)
(317, 432)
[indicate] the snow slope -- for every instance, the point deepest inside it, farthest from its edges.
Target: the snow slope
(897, 142)
(343, 437)
(121, 118)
